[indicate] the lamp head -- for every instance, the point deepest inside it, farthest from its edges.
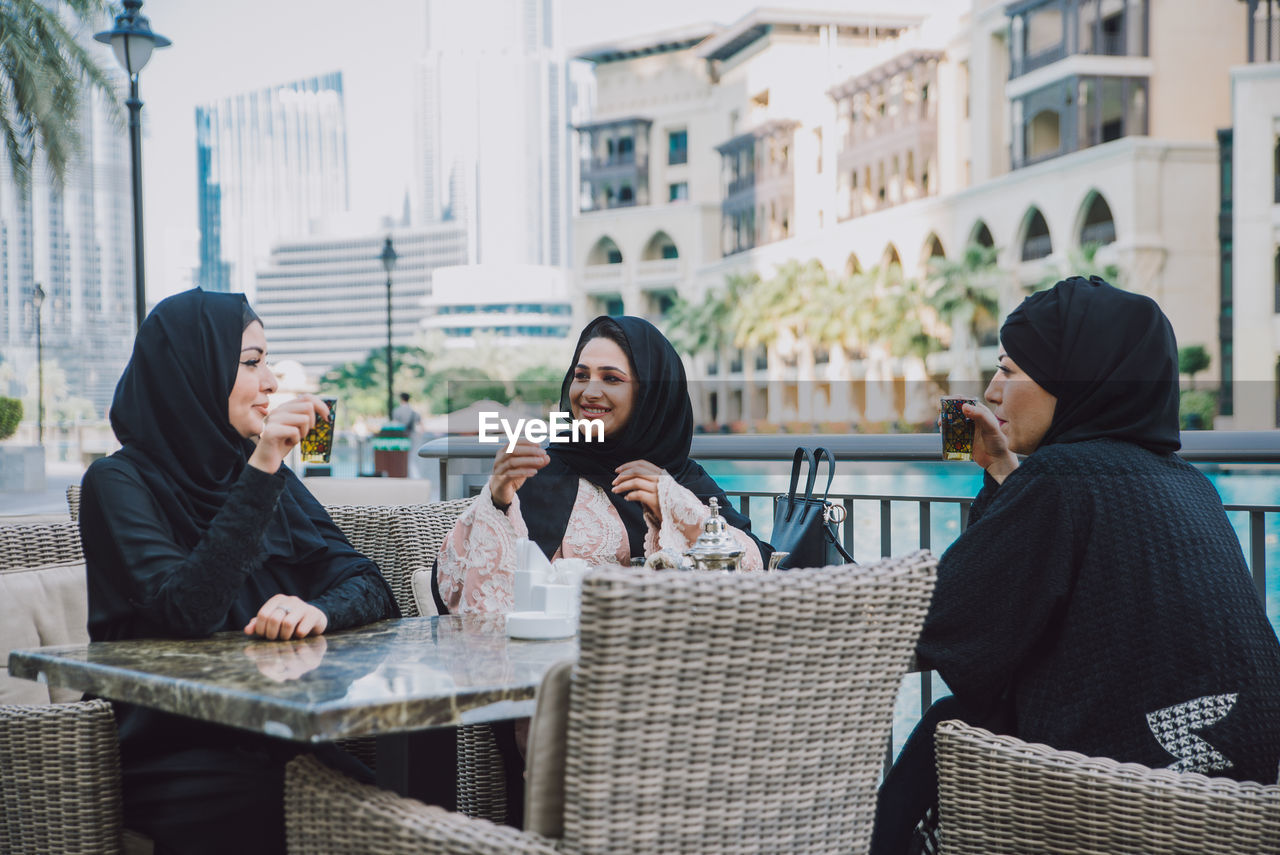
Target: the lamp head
(131, 38)
(37, 297)
(388, 256)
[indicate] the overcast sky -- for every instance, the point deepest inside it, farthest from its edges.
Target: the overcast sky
(228, 47)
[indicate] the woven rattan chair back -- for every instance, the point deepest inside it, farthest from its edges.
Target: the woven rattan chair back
(998, 794)
(38, 544)
(737, 712)
(368, 528)
(59, 779)
(418, 531)
(73, 501)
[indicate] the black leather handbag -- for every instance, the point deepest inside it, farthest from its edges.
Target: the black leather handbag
(807, 526)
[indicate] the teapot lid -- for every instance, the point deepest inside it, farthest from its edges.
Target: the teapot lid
(715, 541)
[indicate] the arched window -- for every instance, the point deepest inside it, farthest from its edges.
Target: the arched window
(605, 251)
(852, 265)
(890, 257)
(980, 235)
(1037, 243)
(1098, 226)
(660, 246)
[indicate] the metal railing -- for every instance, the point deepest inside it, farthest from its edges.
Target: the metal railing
(470, 458)
(1204, 447)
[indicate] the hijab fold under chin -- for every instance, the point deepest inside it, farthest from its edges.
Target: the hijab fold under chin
(1110, 358)
(170, 413)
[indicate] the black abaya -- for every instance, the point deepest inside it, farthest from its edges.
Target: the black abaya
(182, 539)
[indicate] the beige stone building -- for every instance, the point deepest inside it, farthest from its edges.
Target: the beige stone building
(1034, 127)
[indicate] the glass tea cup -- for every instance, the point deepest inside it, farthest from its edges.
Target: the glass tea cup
(318, 443)
(957, 428)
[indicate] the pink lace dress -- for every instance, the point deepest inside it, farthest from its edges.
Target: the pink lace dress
(477, 562)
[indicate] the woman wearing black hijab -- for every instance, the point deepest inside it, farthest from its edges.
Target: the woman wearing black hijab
(606, 502)
(1098, 601)
(191, 528)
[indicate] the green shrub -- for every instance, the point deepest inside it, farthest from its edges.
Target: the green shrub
(10, 416)
(1196, 409)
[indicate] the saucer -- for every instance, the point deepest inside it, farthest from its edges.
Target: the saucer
(540, 625)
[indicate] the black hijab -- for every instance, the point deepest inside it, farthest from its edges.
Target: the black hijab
(1109, 357)
(659, 430)
(170, 415)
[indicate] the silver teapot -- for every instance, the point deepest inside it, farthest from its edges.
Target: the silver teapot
(715, 549)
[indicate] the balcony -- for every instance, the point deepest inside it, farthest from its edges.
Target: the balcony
(659, 271)
(603, 278)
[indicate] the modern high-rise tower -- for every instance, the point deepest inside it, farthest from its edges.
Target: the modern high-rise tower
(74, 240)
(270, 163)
(492, 137)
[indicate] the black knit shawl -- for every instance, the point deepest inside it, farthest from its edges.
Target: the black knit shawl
(170, 415)
(1109, 357)
(659, 430)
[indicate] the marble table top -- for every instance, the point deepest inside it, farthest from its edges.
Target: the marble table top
(385, 678)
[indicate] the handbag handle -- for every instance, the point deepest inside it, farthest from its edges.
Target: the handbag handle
(819, 453)
(802, 453)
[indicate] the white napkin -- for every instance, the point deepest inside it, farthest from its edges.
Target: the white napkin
(532, 568)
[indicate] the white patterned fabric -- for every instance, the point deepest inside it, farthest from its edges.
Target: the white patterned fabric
(1173, 726)
(477, 562)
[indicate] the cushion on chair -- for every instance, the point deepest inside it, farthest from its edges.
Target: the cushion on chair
(422, 592)
(40, 606)
(547, 753)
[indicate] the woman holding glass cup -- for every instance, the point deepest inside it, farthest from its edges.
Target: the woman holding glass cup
(1098, 601)
(193, 527)
(607, 502)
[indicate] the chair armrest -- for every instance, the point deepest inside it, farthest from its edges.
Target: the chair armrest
(1000, 794)
(327, 813)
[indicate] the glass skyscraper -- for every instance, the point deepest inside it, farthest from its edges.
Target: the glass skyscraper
(269, 164)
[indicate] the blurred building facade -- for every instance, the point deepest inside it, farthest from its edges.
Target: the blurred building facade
(1249, 224)
(323, 299)
(76, 241)
(493, 99)
(516, 305)
(871, 139)
(269, 163)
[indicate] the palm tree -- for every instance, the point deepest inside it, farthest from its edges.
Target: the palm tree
(43, 70)
(1082, 261)
(966, 295)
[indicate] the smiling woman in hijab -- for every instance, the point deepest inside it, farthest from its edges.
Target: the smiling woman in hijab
(1098, 601)
(192, 528)
(630, 495)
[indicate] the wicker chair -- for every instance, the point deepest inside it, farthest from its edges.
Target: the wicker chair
(59, 779)
(38, 544)
(999, 795)
(73, 502)
(707, 713)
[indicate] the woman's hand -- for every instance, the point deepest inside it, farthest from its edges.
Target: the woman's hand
(283, 617)
(637, 481)
(990, 445)
(284, 428)
(511, 470)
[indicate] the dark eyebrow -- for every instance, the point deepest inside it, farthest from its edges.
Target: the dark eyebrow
(252, 347)
(621, 371)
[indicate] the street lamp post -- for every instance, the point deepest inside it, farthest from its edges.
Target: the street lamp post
(132, 41)
(389, 263)
(37, 301)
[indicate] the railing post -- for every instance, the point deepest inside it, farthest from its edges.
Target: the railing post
(1258, 553)
(886, 528)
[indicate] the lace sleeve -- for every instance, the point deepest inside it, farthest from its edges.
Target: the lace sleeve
(477, 561)
(680, 509)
